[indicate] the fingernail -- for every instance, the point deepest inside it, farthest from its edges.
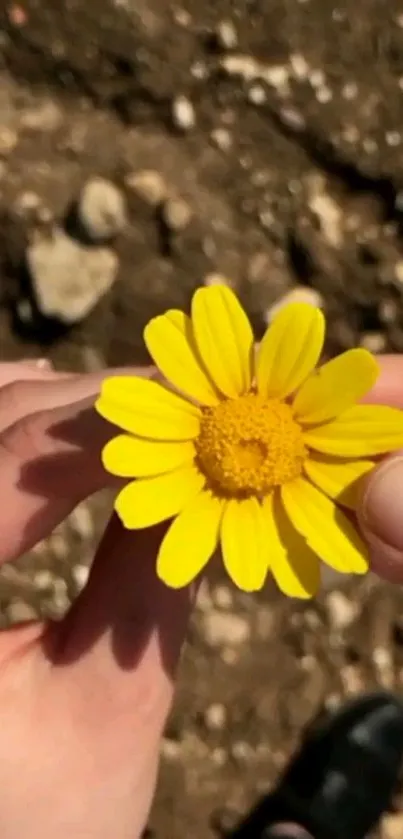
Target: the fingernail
(382, 509)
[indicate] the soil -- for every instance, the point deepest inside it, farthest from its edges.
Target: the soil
(278, 126)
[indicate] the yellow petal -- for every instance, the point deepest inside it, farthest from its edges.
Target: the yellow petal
(170, 341)
(336, 386)
(224, 338)
(133, 457)
(295, 567)
(244, 543)
(148, 409)
(362, 431)
(290, 349)
(326, 529)
(191, 540)
(340, 479)
(152, 500)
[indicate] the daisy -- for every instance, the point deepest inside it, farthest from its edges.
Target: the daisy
(257, 451)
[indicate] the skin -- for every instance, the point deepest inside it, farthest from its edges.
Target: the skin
(83, 703)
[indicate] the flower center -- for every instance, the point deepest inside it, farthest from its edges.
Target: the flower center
(248, 446)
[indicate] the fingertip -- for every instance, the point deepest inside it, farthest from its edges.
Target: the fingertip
(381, 518)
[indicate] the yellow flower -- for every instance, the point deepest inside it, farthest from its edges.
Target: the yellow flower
(253, 450)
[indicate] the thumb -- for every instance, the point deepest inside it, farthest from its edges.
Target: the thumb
(381, 518)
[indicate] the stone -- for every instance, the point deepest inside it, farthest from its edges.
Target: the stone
(81, 522)
(8, 141)
(44, 580)
(148, 185)
(222, 597)
(227, 36)
(44, 116)
(80, 574)
(101, 210)
(183, 114)
(215, 716)
(176, 214)
(20, 612)
(225, 628)
(342, 611)
(298, 294)
(67, 278)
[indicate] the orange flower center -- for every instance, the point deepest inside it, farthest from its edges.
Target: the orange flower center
(249, 445)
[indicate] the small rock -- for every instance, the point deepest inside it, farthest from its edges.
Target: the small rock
(388, 311)
(24, 311)
(183, 114)
(28, 203)
(225, 628)
(81, 522)
(215, 717)
(176, 214)
(222, 597)
(375, 342)
(382, 658)
(8, 140)
(399, 271)
(342, 611)
(229, 655)
(80, 574)
(204, 601)
(101, 210)
(221, 138)
(299, 294)
(20, 612)
(216, 279)
(170, 749)
(257, 94)
(45, 116)
(227, 36)
(58, 546)
(219, 756)
(242, 751)
(44, 580)
(68, 279)
(148, 185)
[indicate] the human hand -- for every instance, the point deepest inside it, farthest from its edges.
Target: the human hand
(83, 702)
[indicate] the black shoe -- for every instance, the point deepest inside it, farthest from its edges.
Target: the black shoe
(342, 779)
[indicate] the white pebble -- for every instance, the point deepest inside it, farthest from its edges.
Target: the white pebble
(80, 574)
(257, 94)
(176, 214)
(183, 113)
(227, 35)
(215, 716)
(224, 628)
(101, 209)
(342, 611)
(149, 185)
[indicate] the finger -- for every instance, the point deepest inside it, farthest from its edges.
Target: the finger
(127, 629)
(389, 387)
(381, 518)
(49, 461)
(381, 510)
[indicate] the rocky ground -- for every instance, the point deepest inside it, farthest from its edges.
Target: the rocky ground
(148, 147)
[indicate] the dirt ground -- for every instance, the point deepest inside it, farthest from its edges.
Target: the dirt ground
(258, 141)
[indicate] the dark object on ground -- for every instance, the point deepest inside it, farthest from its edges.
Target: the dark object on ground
(342, 779)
